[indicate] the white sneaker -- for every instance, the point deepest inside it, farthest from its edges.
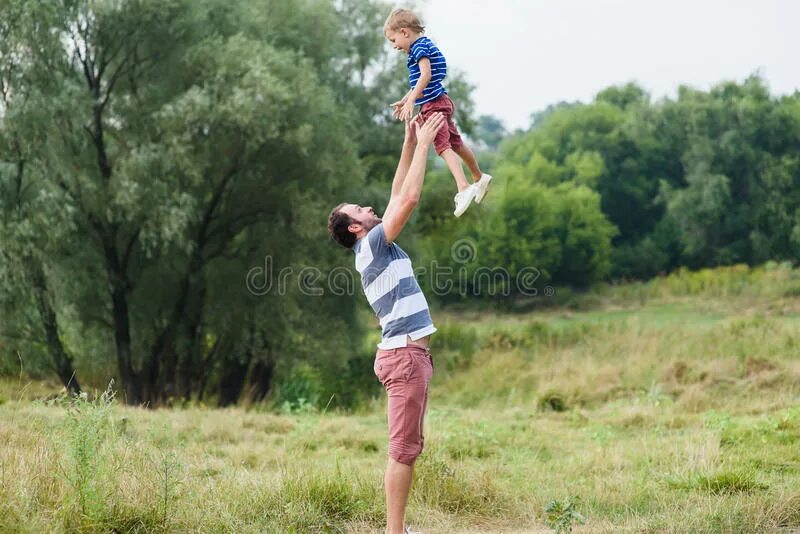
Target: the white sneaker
(463, 199)
(483, 186)
(409, 531)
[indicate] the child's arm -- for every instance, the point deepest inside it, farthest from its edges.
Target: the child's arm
(397, 106)
(424, 78)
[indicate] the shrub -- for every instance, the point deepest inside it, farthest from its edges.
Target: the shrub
(455, 344)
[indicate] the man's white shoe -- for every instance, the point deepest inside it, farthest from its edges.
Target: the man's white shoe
(463, 199)
(483, 186)
(409, 531)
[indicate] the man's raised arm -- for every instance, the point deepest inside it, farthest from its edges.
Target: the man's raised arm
(402, 203)
(409, 142)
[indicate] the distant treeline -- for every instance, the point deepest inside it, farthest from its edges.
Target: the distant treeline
(625, 187)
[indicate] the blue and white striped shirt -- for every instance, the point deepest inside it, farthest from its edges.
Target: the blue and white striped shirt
(387, 279)
(424, 47)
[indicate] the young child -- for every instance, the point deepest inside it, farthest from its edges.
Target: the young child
(426, 71)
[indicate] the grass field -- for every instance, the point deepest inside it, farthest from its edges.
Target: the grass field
(672, 406)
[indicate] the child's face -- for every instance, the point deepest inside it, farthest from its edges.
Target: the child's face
(401, 39)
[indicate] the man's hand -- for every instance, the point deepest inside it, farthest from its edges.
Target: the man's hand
(427, 133)
(406, 189)
(411, 134)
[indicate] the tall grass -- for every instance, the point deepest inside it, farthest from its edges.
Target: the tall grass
(769, 280)
(668, 413)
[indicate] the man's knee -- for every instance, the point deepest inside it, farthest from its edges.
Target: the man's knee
(406, 448)
(404, 454)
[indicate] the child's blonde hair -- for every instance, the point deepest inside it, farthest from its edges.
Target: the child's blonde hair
(403, 18)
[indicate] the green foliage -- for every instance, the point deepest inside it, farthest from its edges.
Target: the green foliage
(725, 482)
(561, 515)
(325, 501)
(627, 444)
(301, 389)
(472, 441)
(152, 172)
(623, 96)
(700, 180)
(534, 229)
(154, 154)
(88, 430)
(350, 385)
(454, 344)
(552, 401)
(490, 131)
(538, 334)
(772, 279)
(169, 469)
(586, 241)
(441, 484)
(523, 231)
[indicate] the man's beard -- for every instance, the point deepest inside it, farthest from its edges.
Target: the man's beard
(371, 223)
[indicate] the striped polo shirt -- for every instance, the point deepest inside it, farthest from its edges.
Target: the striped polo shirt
(424, 47)
(387, 279)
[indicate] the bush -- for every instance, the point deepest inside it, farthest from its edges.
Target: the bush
(561, 515)
(88, 431)
(537, 333)
(455, 344)
(302, 389)
(352, 385)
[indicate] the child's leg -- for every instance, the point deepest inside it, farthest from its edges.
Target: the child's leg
(454, 164)
(469, 158)
(448, 141)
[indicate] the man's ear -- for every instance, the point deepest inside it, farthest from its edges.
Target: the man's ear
(354, 228)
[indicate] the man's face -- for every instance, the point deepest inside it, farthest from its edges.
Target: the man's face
(364, 217)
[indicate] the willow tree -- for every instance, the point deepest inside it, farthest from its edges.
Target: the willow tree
(178, 145)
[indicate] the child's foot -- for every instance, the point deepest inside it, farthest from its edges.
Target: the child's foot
(483, 186)
(463, 199)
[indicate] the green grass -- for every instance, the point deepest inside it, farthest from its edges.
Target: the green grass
(636, 409)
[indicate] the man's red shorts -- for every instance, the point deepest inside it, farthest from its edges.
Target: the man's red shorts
(405, 373)
(448, 136)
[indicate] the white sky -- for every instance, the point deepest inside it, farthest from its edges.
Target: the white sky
(523, 55)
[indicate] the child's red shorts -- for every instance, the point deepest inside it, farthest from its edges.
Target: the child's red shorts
(447, 137)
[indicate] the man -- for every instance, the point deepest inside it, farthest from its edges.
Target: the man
(403, 362)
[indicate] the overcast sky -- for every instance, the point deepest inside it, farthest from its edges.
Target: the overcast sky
(523, 55)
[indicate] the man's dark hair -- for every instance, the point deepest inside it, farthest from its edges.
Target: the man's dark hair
(337, 227)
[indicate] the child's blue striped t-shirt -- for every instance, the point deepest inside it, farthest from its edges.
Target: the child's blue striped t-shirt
(424, 47)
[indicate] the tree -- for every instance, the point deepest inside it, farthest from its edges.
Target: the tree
(703, 179)
(490, 131)
(179, 145)
(26, 216)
